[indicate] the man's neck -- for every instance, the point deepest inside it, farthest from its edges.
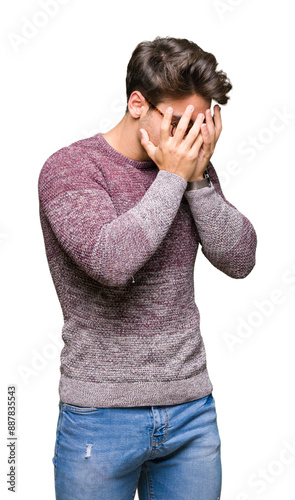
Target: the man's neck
(124, 139)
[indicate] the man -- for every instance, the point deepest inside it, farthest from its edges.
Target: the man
(123, 214)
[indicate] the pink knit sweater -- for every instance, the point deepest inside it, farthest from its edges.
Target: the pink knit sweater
(121, 239)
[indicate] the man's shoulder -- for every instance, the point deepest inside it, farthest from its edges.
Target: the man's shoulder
(78, 149)
(87, 144)
(78, 157)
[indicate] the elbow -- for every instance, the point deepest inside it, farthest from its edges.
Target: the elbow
(243, 272)
(109, 273)
(239, 268)
(235, 265)
(114, 279)
(110, 268)
(243, 258)
(247, 258)
(116, 283)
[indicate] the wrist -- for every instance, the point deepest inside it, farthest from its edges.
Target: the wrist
(196, 178)
(199, 183)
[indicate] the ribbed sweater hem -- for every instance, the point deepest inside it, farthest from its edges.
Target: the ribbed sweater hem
(127, 394)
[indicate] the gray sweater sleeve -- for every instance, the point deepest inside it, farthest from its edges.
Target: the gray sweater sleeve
(81, 214)
(228, 238)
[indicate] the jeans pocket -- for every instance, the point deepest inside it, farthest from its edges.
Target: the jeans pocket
(200, 404)
(210, 401)
(78, 410)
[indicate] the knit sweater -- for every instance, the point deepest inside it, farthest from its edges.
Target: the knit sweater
(121, 239)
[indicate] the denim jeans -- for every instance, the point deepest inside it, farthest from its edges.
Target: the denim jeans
(167, 452)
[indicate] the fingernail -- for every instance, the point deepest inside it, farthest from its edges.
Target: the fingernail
(169, 110)
(201, 116)
(190, 107)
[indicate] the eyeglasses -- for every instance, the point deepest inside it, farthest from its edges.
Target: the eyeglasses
(174, 123)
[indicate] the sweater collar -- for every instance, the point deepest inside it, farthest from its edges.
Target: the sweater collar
(119, 157)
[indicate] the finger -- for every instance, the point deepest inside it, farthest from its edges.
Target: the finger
(147, 144)
(217, 120)
(210, 124)
(207, 137)
(208, 141)
(195, 130)
(166, 124)
(197, 145)
(183, 124)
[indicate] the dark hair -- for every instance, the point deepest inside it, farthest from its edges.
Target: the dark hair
(175, 67)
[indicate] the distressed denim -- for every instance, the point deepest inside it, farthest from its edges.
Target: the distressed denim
(166, 452)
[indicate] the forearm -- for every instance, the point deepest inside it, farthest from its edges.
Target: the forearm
(228, 238)
(130, 240)
(111, 248)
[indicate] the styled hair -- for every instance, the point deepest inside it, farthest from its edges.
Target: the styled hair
(175, 68)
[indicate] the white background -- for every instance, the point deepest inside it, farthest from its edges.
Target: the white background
(65, 81)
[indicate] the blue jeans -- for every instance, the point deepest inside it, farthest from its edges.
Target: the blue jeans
(167, 452)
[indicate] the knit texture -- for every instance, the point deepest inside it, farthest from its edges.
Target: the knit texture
(121, 239)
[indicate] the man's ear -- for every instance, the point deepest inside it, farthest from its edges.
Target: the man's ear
(136, 104)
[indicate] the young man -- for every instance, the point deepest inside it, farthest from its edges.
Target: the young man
(123, 214)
